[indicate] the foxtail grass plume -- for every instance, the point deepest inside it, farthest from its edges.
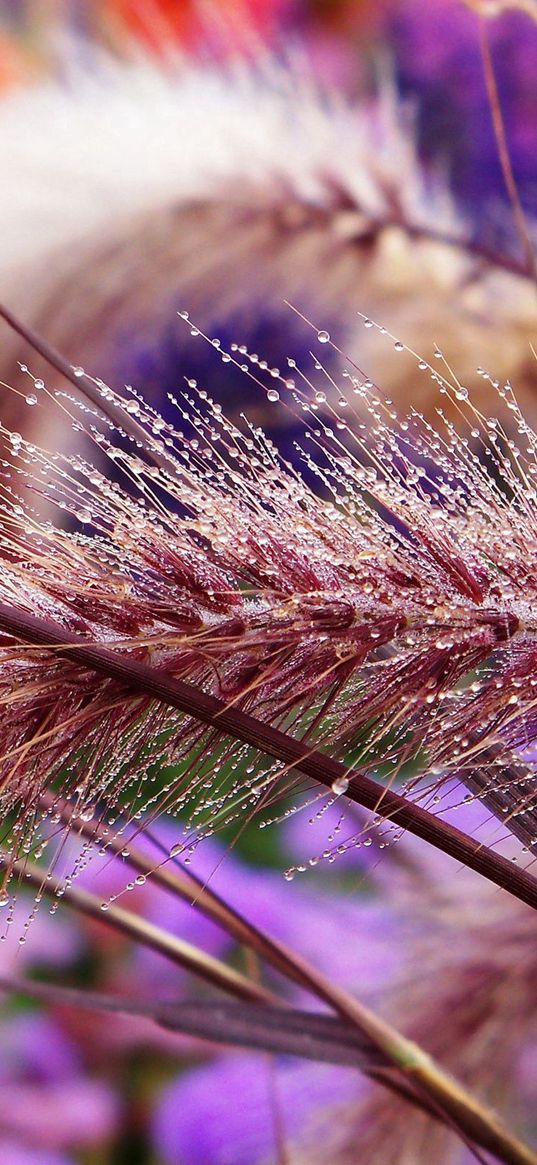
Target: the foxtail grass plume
(376, 604)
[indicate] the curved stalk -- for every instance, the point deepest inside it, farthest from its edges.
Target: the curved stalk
(289, 1032)
(241, 726)
(182, 953)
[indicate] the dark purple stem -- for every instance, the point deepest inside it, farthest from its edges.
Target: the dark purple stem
(241, 726)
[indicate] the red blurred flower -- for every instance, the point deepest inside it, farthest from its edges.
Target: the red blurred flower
(191, 23)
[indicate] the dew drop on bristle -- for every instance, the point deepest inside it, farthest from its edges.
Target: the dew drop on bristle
(340, 786)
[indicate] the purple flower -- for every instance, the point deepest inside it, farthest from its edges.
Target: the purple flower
(47, 1100)
(35, 1047)
(231, 1112)
(12, 1153)
(439, 62)
(75, 1113)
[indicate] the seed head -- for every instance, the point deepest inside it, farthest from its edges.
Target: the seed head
(379, 603)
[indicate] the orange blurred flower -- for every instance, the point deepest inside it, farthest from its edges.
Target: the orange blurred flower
(15, 65)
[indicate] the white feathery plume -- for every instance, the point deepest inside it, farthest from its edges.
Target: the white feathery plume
(131, 189)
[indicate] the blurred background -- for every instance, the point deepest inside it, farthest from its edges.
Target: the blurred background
(222, 157)
(226, 157)
(432, 52)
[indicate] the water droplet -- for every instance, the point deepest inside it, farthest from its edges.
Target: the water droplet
(273, 394)
(340, 785)
(323, 336)
(399, 347)
(31, 399)
(78, 371)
